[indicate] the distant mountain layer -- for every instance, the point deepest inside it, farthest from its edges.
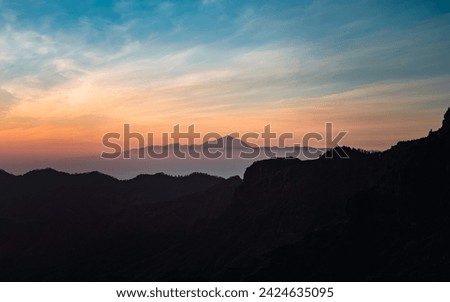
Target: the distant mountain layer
(372, 217)
(227, 157)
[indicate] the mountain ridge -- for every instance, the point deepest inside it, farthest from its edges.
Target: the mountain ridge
(375, 216)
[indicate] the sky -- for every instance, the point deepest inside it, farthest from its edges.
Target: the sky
(71, 71)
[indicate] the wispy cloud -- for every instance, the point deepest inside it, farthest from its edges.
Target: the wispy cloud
(156, 64)
(6, 100)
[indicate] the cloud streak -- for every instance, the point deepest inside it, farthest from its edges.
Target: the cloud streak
(212, 64)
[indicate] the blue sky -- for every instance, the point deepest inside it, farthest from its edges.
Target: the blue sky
(76, 66)
(365, 41)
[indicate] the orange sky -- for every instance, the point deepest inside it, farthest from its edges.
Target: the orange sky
(60, 123)
(376, 71)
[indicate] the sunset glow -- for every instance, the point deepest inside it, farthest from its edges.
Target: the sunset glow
(73, 71)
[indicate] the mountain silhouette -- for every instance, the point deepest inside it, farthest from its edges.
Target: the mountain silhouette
(227, 142)
(396, 230)
(223, 143)
(4, 176)
(374, 216)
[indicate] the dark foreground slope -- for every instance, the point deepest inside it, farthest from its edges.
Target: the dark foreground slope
(374, 216)
(57, 226)
(397, 230)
